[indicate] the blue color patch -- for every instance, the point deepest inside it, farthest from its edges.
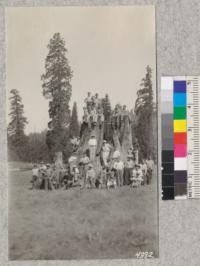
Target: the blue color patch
(179, 86)
(179, 99)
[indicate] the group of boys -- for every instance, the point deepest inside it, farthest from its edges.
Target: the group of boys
(48, 177)
(119, 113)
(93, 111)
(41, 176)
(113, 173)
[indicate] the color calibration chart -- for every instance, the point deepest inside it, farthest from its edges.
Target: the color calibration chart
(180, 106)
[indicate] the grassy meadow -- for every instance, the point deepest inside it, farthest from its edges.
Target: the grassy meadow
(79, 224)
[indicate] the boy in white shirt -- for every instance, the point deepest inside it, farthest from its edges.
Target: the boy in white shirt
(72, 161)
(90, 177)
(93, 147)
(105, 152)
(88, 99)
(35, 177)
(93, 116)
(119, 167)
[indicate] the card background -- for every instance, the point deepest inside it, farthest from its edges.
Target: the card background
(178, 53)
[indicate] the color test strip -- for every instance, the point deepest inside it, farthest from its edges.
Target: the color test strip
(180, 108)
(167, 138)
(174, 138)
(180, 149)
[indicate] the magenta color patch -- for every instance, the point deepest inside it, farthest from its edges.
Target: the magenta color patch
(180, 150)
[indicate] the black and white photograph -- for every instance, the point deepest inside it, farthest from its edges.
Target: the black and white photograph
(81, 132)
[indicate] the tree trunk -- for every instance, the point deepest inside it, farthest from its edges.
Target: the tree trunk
(122, 137)
(58, 159)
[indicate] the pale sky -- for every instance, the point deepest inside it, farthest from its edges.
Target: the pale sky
(108, 51)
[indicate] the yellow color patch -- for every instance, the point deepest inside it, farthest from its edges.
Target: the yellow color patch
(180, 126)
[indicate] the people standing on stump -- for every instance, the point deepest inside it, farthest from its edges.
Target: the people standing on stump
(93, 117)
(91, 170)
(100, 117)
(88, 100)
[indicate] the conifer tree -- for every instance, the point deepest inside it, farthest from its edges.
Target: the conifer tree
(16, 137)
(144, 115)
(74, 129)
(57, 89)
(107, 117)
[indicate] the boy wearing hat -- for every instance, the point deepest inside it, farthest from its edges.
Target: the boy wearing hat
(129, 165)
(90, 177)
(84, 162)
(136, 176)
(111, 182)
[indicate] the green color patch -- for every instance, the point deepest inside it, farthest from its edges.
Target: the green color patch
(179, 112)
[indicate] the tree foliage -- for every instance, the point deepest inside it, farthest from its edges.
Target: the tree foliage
(37, 148)
(144, 114)
(17, 139)
(74, 128)
(107, 110)
(57, 89)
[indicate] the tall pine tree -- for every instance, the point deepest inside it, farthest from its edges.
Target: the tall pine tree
(17, 140)
(107, 117)
(57, 88)
(74, 129)
(144, 115)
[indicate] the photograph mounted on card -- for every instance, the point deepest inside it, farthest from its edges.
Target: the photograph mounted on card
(82, 132)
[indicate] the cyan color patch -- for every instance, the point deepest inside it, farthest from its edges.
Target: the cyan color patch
(179, 99)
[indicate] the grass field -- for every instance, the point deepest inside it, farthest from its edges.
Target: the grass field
(80, 224)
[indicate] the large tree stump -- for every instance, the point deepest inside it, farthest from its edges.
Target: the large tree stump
(122, 140)
(98, 132)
